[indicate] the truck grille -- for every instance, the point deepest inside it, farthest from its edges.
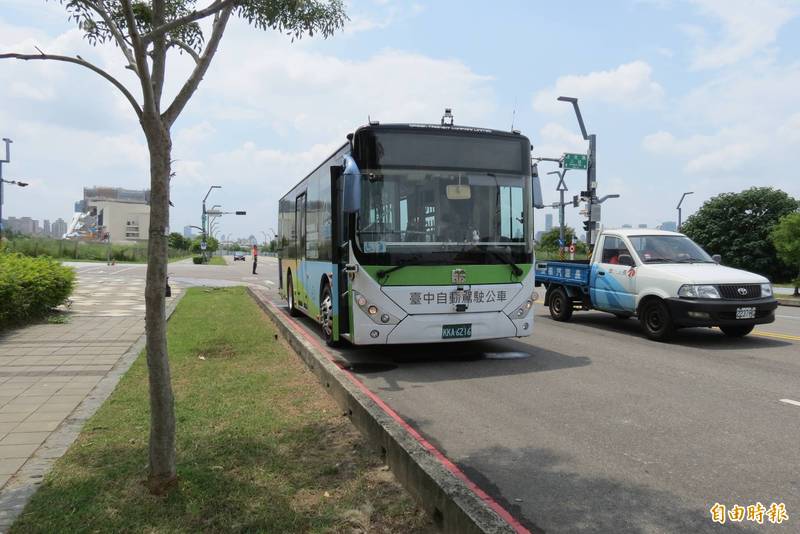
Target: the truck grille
(740, 291)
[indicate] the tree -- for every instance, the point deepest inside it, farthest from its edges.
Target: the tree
(212, 244)
(145, 32)
(178, 242)
(738, 225)
(549, 240)
(786, 240)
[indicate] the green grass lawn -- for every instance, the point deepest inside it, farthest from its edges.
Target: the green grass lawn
(261, 447)
(217, 260)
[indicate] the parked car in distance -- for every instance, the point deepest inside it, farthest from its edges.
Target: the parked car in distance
(238, 255)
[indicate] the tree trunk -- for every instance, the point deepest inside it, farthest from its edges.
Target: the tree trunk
(162, 470)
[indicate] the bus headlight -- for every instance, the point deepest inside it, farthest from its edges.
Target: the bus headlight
(372, 311)
(526, 307)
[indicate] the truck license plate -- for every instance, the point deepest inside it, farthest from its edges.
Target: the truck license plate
(746, 313)
(456, 331)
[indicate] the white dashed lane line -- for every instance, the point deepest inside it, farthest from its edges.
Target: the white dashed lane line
(790, 401)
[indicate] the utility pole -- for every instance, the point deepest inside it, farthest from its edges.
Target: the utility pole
(8, 142)
(204, 218)
(561, 188)
(591, 171)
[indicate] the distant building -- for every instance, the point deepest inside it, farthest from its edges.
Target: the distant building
(642, 226)
(22, 225)
(121, 215)
(188, 232)
(627, 226)
(46, 230)
(59, 228)
(669, 226)
(548, 222)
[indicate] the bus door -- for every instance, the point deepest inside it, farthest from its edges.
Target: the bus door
(300, 247)
(339, 248)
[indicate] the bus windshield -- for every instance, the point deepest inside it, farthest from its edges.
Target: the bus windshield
(417, 211)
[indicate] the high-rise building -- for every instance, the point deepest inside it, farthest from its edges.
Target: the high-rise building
(58, 228)
(46, 227)
(548, 222)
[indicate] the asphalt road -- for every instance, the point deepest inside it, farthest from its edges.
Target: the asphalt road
(588, 426)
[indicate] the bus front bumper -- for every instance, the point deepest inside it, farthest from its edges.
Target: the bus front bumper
(432, 328)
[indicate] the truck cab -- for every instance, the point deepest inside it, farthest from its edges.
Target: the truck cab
(663, 278)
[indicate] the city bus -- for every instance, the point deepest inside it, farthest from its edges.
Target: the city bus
(413, 233)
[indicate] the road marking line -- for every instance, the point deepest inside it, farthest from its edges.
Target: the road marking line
(790, 401)
(788, 317)
(776, 335)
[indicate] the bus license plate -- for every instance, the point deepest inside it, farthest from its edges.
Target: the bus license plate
(456, 331)
(746, 313)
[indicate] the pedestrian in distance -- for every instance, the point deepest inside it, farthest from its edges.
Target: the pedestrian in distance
(255, 258)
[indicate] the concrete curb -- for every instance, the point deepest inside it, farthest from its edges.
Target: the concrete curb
(789, 302)
(18, 491)
(456, 504)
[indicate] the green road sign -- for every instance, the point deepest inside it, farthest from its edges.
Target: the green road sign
(576, 161)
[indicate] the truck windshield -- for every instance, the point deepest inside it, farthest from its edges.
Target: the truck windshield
(668, 249)
(417, 211)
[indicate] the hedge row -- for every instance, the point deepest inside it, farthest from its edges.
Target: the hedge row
(30, 287)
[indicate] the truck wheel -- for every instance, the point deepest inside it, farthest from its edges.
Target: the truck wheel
(560, 305)
(290, 297)
(326, 316)
(656, 321)
(738, 330)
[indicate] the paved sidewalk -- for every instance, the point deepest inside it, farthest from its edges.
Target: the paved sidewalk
(54, 376)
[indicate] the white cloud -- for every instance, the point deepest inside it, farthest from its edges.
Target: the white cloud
(554, 139)
(629, 85)
(748, 28)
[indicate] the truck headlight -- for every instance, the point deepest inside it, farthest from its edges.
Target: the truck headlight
(766, 290)
(693, 291)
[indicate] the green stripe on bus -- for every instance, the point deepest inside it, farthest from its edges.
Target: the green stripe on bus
(441, 275)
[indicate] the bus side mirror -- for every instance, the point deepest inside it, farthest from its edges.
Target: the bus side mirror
(538, 203)
(717, 258)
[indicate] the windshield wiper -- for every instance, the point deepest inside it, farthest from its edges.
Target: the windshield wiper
(383, 273)
(659, 260)
(515, 270)
(694, 260)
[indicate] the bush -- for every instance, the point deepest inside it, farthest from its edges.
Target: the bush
(197, 259)
(83, 250)
(30, 287)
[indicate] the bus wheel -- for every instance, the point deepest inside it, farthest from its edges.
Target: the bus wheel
(656, 321)
(326, 315)
(560, 305)
(290, 296)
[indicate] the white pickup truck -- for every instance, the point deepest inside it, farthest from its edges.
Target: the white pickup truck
(663, 278)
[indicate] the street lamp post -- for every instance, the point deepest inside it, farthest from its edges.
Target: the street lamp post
(205, 225)
(591, 172)
(2, 181)
(679, 207)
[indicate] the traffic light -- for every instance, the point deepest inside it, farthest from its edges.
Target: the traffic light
(241, 213)
(575, 201)
(589, 225)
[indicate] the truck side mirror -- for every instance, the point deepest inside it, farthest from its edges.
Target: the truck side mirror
(717, 258)
(538, 203)
(627, 260)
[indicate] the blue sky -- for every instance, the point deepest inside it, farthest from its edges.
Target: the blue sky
(683, 96)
